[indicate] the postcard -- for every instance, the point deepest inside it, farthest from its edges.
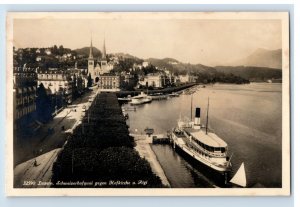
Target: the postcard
(148, 104)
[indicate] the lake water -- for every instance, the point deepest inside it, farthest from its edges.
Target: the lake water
(247, 117)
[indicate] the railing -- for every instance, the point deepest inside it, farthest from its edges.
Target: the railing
(208, 152)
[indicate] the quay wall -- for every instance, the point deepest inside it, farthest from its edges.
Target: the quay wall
(145, 151)
(164, 90)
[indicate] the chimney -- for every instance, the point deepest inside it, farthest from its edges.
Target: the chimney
(197, 121)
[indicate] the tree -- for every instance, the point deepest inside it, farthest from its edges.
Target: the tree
(55, 50)
(61, 50)
(90, 81)
(43, 104)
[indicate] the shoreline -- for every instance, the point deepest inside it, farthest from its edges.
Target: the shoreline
(145, 151)
(164, 90)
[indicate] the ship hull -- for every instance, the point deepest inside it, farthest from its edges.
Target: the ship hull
(218, 175)
(144, 101)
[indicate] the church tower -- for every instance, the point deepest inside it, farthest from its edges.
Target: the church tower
(103, 61)
(91, 61)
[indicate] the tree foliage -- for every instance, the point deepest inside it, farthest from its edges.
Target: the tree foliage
(100, 149)
(43, 104)
(90, 81)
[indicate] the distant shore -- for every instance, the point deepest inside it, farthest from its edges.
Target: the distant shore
(164, 90)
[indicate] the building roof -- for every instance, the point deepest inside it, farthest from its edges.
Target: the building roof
(210, 139)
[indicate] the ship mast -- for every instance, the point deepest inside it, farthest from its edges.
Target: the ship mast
(192, 107)
(207, 116)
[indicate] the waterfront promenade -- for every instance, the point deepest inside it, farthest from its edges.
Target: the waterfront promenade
(144, 149)
(37, 171)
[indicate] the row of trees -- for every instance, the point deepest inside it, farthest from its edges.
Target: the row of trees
(101, 150)
(220, 77)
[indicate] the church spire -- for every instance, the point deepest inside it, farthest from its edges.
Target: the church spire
(104, 50)
(91, 50)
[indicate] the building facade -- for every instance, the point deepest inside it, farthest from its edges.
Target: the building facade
(187, 78)
(99, 66)
(56, 81)
(109, 82)
(79, 81)
(24, 96)
(99, 70)
(155, 80)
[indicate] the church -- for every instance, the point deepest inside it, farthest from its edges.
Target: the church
(99, 70)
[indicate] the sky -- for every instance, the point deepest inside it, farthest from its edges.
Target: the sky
(208, 42)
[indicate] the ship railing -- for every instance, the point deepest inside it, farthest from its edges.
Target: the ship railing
(224, 165)
(210, 153)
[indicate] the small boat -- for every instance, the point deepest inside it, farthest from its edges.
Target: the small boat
(140, 99)
(125, 99)
(158, 96)
(189, 91)
(149, 131)
(240, 177)
(174, 94)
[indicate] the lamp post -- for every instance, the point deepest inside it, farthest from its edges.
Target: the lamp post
(55, 103)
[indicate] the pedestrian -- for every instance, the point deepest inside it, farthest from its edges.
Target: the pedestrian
(35, 163)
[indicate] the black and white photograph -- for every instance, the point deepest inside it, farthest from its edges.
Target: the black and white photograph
(148, 103)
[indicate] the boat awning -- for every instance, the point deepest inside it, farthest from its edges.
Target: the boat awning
(210, 139)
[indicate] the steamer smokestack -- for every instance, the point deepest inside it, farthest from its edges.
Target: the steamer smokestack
(197, 121)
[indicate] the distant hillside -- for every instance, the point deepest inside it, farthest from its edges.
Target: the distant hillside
(178, 67)
(127, 56)
(251, 73)
(262, 58)
(86, 51)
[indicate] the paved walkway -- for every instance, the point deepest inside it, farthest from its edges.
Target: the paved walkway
(44, 147)
(42, 142)
(145, 151)
(36, 172)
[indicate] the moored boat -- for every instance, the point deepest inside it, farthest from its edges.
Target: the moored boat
(140, 99)
(174, 94)
(202, 145)
(158, 96)
(125, 99)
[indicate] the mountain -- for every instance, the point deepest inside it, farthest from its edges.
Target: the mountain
(179, 67)
(126, 56)
(251, 73)
(261, 58)
(86, 51)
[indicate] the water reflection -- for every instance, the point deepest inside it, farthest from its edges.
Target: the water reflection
(247, 117)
